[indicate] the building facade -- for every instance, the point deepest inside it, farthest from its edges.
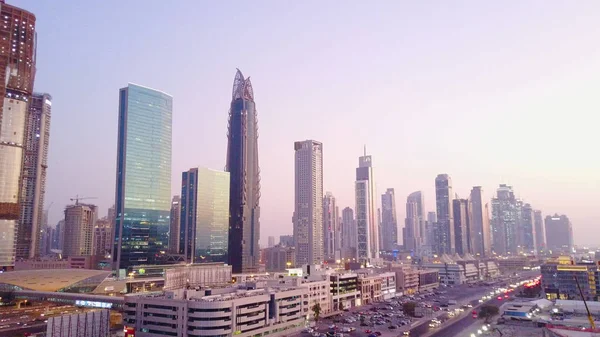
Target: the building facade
(174, 224)
(91, 323)
(331, 229)
(286, 240)
(79, 229)
(558, 280)
(366, 218)
(348, 233)
(429, 279)
(143, 187)
(480, 223)
(389, 221)
(504, 221)
(528, 237)
(540, 231)
(17, 61)
(242, 165)
(444, 229)
(407, 278)
(559, 233)
(102, 237)
(279, 258)
(308, 210)
(35, 163)
(345, 291)
(204, 219)
(462, 235)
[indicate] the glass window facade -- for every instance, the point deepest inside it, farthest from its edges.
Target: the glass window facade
(143, 197)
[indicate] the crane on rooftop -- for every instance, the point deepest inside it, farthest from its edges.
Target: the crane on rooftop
(76, 198)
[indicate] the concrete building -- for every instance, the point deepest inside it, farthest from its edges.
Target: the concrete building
(540, 231)
(429, 279)
(345, 290)
(242, 164)
(366, 213)
(558, 279)
(462, 235)
(389, 221)
(90, 323)
(559, 233)
(33, 188)
(79, 229)
(414, 224)
(204, 220)
(331, 229)
(280, 258)
(370, 288)
(349, 232)
(175, 225)
(407, 278)
(479, 222)
(217, 312)
(505, 218)
(102, 237)
(528, 244)
(197, 275)
(143, 179)
(308, 211)
(444, 229)
(17, 61)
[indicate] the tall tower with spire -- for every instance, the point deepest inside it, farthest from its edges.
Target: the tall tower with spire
(366, 213)
(244, 188)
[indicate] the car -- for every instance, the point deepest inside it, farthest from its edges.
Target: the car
(392, 327)
(499, 298)
(406, 333)
(368, 331)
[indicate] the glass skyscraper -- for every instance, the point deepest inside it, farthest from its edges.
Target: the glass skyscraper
(143, 191)
(242, 164)
(204, 216)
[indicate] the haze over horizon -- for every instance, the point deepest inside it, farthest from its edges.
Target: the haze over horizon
(488, 93)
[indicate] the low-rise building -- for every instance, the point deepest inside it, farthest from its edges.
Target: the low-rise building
(388, 285)
(370, 288)
(407, 278)
(429, 279)
(345, 291)
(558, 279)
(91, 323)
(218, 312)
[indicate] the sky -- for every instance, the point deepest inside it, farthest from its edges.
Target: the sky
(487, 92)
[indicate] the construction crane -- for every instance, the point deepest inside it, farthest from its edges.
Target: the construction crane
(589, 315)
(77, 198)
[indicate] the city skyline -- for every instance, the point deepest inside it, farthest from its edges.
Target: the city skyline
(554, 178)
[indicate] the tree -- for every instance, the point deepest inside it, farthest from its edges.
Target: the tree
(317, 311)
(409, 308)
(488, 311)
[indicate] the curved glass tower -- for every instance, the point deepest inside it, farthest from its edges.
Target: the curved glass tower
(244, 188)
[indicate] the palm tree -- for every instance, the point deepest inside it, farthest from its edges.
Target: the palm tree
(317, 311)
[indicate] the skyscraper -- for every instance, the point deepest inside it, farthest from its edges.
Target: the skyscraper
(479, 223)
(389, 221)
(540, 231)
(444, 231)
(559, 233)
(271, 242)
(17, 61)
(331, 228)
(204, 219)
(35, 163)
(308, 211)
(528, 226)
(429, 229)
(174, 224)
(143, 191)
(348, 233)
(102, 237)
(366, 218)
(242, 164)
(461, 226)
(504, 221)
(79, 229)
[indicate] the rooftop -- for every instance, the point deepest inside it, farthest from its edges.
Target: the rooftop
(50, 279)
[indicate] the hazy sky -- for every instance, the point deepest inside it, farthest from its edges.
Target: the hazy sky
(487, 91)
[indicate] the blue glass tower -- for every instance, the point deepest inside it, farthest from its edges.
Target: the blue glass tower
(143, 191)
(242, 164)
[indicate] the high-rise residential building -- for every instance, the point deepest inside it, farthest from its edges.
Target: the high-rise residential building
(102, 237)
(308, 211)
(528, 229)
(429, 228)
(79, 229)
(479, 222)
(271, 242)
(559, 233)
(461, 226)
(242, 164)
(143, 188)
(540, 231)
(379, 231)
(444, 230)
(389, 221)
(204, 219)
(504, 221)
(286, 240)
(279, 258)
(175, 225)
(17, 61)
(349, 232)
(414, 225)
(331, 228)
(58, 238)
(33, 188)
(366, 220)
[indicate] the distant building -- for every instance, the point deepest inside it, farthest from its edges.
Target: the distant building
(407, 278)
(286, 240)
(79, 229)
(540, 231)
(504, 221)
(331, 228)
(389, 221)
(90, 323)
(59, 235)
(308, 211)
(279, 258)
(528, 243)
(461, 225)
(444, 231)
(479, 221)
(429, 279)
(197, 275)
(366, 217)
(102, 237)
(559, 233)
(558, 279)
(348, 233)
(429, 226)
(174, 226)
(271, 242)
(204, 220)
(411, 234)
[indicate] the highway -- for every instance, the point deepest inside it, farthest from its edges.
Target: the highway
(30, 318)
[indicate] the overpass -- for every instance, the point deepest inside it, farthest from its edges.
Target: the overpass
(82, 299)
